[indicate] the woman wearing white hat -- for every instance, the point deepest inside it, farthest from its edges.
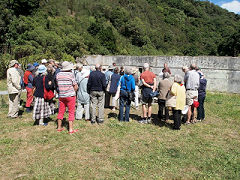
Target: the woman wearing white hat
(67, 87)
(83, 98)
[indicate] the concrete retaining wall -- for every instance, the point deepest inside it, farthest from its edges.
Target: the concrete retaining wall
(222, 73)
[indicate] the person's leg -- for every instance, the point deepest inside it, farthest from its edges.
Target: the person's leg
(144, 109)
(161, 105)
(93, 101)
(107, 99)
(10, 104)
(15, 108)
(127, 109)
(189, 113)
(166, 113)
(79, 111)
(71, 102)
(200, 108)
(70, 126)
(101, 106)
(87, 113)
(61, 111)
(136, 96)
(121, 107)
(177, 119)
(203, 110)
(29, 97)
(113, 101)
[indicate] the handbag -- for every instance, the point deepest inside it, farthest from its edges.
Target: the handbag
(171, 100)
(48, 95)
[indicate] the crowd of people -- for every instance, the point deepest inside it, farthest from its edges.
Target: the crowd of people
(84, 92)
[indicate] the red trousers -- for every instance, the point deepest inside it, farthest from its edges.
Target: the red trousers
(67, 102)
(29, 96)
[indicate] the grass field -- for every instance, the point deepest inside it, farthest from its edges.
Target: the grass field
(114, 150)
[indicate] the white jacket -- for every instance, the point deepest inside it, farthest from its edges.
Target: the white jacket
(13, 80)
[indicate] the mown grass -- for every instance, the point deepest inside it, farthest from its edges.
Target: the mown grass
(114, 150)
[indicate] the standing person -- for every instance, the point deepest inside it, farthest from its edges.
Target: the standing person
(67, 87)
(127, 84)
(108, 75)
(163, 87)
(166, 69)
(178, 90)
(121, 71)
(148, 79)
(201, 97)
(191, 79)
(112, 86)
(28, 83)
(41, 109)
(136, 92)
(50, 85)
(36, 65)
(83, 98)
(14, 88)
(96, 86)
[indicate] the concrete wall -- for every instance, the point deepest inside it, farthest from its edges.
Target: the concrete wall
(222, 73)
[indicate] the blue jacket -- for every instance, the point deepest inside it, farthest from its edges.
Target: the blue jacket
(96, 82)
(114, 83)
(129, 80)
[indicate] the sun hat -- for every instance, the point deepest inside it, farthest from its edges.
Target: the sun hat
(42, 69)
(110, 67)
(67, 66)
(30, 67)
(44, 61)
(35, 64)
(85, 73)
(13, 62)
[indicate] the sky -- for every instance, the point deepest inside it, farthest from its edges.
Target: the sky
(230, 5)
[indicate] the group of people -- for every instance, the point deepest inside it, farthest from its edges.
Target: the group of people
(84, 91)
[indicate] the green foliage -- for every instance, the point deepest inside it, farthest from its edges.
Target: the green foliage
(30, 29)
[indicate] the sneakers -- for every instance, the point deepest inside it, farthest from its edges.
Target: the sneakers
(149, 120)
(143, 121)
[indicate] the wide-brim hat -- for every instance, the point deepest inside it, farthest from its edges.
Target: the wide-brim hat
(35, 64)
(13, 62)
(30, 67)
(42, 69)
(110, 67)
(44, 61)
(67, 66)
(85, 73)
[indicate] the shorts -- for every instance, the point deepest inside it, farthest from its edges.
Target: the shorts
(146, 100)
(190, 96)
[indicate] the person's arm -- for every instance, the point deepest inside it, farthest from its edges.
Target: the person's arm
(104, 84)
(133, 84)
(16, 80)
(75, 86)
(146, 84)
(174, 89)
(154, 84)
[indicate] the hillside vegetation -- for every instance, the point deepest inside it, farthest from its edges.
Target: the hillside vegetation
(65, 29)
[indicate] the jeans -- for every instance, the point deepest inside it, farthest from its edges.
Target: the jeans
(200, 109)
(162, 105)
(177, 119)
(124, 102)
(97, 101)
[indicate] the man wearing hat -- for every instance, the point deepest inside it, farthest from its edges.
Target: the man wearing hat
(28, 80)
(14, 88)
(44, 61)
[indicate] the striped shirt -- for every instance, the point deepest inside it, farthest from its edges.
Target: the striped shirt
(66, 81)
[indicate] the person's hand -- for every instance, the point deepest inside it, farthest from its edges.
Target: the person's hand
(49, 83)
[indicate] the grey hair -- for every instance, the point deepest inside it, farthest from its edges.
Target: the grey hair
(79, 65)
(193, 66)
(97, 66)
(128, 71)
(178, 78)
(145, 65)
(166, 75)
